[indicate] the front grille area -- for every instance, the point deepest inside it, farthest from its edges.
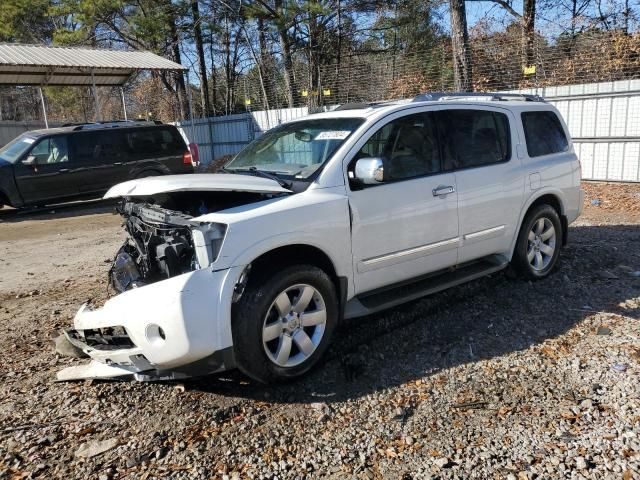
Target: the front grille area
(111, 338)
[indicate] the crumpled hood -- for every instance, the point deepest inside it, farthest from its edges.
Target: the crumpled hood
(196, 182)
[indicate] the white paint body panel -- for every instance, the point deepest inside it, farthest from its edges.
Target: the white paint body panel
(373, 237)
(204, 182)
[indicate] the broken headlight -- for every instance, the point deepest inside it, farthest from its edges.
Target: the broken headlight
(207, 242)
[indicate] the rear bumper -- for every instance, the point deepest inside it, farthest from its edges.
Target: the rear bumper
(177, 325)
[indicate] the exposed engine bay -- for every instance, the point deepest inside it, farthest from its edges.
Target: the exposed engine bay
(164, 240)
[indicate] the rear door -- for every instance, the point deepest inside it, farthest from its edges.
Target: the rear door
(104, 152)
(478, 147)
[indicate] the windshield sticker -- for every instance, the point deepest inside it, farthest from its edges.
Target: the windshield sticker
(28, 140)
(333, 135)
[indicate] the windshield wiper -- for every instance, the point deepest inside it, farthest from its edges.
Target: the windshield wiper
(259, 173)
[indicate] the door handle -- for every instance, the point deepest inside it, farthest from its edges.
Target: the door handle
(441, 190)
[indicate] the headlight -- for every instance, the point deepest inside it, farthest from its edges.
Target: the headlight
(207, 241)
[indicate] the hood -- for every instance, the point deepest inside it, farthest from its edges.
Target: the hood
(195, 182)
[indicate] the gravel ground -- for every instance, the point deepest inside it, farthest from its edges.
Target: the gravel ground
(498, 378)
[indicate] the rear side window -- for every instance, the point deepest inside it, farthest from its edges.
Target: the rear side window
(102, 146)
(155, 140)
(474, 138)
(544, 133)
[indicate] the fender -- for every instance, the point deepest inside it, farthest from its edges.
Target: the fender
(256, 250)
(534, 195)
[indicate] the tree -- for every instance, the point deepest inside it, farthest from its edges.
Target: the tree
(25, 21)
(202, 66)
(527, 21)
(462, 61)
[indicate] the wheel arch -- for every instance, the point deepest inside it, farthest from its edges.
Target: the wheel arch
(554, 198)
(296, 254)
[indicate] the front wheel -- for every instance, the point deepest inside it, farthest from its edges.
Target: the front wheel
(283, 323)
(539, 241)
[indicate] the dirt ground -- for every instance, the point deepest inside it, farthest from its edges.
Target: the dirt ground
(498, 378)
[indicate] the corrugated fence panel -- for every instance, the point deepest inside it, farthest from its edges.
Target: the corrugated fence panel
(10, 130)
(228, 134)
(604, 121)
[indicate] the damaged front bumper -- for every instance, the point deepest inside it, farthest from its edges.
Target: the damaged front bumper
(172, 329)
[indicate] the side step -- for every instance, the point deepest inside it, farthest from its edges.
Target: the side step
(387, 297)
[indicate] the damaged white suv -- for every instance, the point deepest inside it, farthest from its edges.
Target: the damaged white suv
(334, 216)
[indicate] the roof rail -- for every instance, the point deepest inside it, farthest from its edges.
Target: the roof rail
(111, 124)
(492, 96)
(362, 105)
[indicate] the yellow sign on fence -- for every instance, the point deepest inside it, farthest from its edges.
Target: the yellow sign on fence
(530, 70)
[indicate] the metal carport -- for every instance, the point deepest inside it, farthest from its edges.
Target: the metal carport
(41, 66)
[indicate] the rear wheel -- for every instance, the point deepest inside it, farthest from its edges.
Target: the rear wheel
(283, 323)
(539, 241)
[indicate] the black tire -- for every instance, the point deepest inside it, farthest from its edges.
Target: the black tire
(258, 301)
(526, 268)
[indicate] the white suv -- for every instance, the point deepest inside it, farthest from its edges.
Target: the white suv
(333, 216)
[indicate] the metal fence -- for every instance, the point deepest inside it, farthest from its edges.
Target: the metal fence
(228, 134)
(604, 121)
(603, 118)
(10, 130)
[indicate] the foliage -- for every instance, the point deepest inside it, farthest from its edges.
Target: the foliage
(276, 53)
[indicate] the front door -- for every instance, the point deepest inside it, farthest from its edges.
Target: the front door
(407, 225)
(52, 175)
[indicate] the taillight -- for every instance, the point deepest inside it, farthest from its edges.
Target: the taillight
(186, 158)
(195, 154)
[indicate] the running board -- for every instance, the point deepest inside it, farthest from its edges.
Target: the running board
(393, 295)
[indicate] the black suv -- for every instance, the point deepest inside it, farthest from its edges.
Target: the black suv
(74, 161)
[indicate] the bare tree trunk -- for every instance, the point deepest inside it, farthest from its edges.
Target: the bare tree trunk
(214, 91)
(204, 81)
(227, 67)
(180, 86)
(285, 45)
(574, 17)
(462, 62)
(314, 61)
(528, 32)
(260, 64)
(266, 65)
(626, 14)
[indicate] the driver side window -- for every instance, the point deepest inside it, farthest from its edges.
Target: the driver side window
(408, 148)
(51, 150)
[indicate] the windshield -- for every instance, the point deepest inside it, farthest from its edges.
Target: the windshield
(13, 150)
(295, 149)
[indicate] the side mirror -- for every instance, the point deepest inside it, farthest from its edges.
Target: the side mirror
(30, 161)
(369, 171)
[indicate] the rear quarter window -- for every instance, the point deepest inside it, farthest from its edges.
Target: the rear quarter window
(161, 141)
(543, 133)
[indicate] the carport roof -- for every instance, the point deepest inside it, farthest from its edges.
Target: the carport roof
(42, 65)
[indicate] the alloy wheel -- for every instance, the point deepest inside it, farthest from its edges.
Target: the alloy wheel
(294, 325)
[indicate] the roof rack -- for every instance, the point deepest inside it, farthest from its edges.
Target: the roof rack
(492, 96)
(111, 124)
(365, 105)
